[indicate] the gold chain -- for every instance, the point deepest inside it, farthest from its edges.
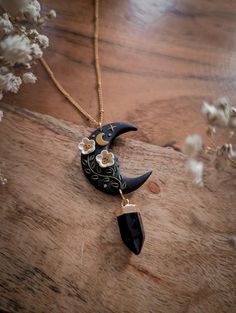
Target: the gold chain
(98, 76)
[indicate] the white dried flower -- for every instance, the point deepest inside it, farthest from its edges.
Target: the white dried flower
(42, 40)
(218, 113)
(31, 10)
(10, 82)
(195, 170)
(5, 24)
(37, 53)
(4, 70)
(193, 145)
(16, 49)
(1, 115)
(29, 78)
(52, 14)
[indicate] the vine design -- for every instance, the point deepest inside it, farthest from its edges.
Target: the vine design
(108, 176)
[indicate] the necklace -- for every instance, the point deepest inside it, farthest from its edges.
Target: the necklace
(99, 165)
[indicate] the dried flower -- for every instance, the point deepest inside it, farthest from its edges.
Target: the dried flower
(36, 51)
(195, 170)
(193, 145)
(52, 14)
(218, 113)
(16, 49)
(5, 24)
(42, 40)
(1, 115)
(10, 82)
(29, 78)
(87, 146)
(31, 10)
(4, 70)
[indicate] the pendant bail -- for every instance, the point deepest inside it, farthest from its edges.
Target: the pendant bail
(124, 200)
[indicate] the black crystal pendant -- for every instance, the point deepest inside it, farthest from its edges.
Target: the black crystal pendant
(131, 230)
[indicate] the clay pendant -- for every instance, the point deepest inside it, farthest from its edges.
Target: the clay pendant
(101, 167)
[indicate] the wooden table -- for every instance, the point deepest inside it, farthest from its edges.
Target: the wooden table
(60, 248)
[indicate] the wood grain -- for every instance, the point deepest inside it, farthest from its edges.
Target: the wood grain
(160, 59)
(60, 249)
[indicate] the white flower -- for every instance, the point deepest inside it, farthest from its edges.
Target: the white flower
(36, 51)
(5, 24)
(193, 145)
(4, 70)
(52, 14)
(1, 115)
(29, 78)
(218, 113)
(87, 146)
(16, 49)
(43, 41)
(10, 82)
(195, 170)
(105, 158)
(31, 10)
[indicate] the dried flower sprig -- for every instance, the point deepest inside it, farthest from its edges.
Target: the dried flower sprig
(193, 148)
(20, 42)
(219, 115)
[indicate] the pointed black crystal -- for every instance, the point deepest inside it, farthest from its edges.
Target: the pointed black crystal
(131, 230)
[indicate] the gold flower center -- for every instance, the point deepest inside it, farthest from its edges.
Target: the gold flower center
(87, 146)
(105, 160)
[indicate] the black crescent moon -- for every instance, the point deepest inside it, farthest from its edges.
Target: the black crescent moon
(109, 179)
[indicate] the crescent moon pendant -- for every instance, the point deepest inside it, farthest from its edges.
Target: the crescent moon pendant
(109, 179)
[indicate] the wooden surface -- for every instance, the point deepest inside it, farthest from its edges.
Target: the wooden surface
(60, 249)
(160, 59)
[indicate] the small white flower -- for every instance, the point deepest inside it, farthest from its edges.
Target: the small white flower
(29, 78)
(4, 70)
(43, 41)
(193, 145)
(1, 115)
(31, 10)
(36, 51)
(10, 82)
(52, 14)
(5, 24)
(86, 146)
(218, 113)
(195, 170)
(105, 159)
(16, 49)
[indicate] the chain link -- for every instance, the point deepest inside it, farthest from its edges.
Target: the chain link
(98, 77)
